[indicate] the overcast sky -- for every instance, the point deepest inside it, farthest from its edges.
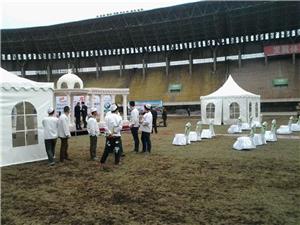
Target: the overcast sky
(29, 13)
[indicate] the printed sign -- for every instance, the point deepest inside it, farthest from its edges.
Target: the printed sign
(156, 104)
(62, 101)
(281, 49)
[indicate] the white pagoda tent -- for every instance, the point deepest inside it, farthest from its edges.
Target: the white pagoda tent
(228, 103)
(23, 105)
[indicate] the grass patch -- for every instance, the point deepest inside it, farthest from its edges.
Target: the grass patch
(204, 183)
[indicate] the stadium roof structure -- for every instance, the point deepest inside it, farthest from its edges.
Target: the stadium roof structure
(204, 20)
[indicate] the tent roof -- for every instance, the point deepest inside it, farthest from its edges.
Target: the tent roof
(230, 89)
(11, 81)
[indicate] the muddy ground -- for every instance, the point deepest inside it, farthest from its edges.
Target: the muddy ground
(204, 183)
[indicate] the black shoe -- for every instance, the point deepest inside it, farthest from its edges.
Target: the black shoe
(68, 159)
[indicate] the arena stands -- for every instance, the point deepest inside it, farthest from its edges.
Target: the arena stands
(193, 47)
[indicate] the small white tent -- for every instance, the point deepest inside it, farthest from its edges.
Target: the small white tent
(23, 104)
(228, 103)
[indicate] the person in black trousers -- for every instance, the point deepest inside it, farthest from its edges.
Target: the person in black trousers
(77, 116)
(84, 114)
(113, 142)
(154, 120)
(146, 127)
(164, 116)
(188, 111)
(134, 125)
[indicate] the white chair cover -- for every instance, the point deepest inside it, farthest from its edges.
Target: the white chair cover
(198, 130)
(183, 139)
(285, 129)
(206, 133)
(179, 139)
(234, 129)
(257, 139)
(193, 136)
(243, 143)
(296, 126)
(270, 135)
(245, 126)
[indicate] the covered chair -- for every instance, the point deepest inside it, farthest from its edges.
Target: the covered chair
(270, 135)
(296, 126)
(183, 139)
(245, 142)
(285, 129)
(193, 136)
(210, 132)
(236, 128)
(198, 130)
(259, 139)
(247, 126)
(196, 135)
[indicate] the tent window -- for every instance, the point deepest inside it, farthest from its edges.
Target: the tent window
(210, 111)
(24, 124)
(234, 110)
(256, 109)
(250, 109)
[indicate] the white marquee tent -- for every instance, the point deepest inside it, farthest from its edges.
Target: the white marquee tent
(23, 105)
(228, 103)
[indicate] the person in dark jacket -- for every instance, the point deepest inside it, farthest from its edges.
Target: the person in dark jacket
(154, 120)
(84, 114)
(164, 116)
(77, 113)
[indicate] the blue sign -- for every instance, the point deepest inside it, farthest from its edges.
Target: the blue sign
(156, 105)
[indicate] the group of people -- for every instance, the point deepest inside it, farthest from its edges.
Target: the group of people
(145, 123)
(80, 113)
(56, 128)
(59, 128)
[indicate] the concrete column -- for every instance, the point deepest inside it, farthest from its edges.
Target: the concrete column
(125, 107)
(215, 60)
(294, 58)
(74, 69)
(49, 72)
(23, 71)
(101, 108)
(190, 64)
(121, 68)
(266, 60)
(167, 65)
(144, 68)
(240, 58)
(98, 70)
(113, 98)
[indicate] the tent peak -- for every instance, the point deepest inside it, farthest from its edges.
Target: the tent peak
(229, 89)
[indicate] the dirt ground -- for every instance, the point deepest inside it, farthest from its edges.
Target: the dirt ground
(203, 183)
